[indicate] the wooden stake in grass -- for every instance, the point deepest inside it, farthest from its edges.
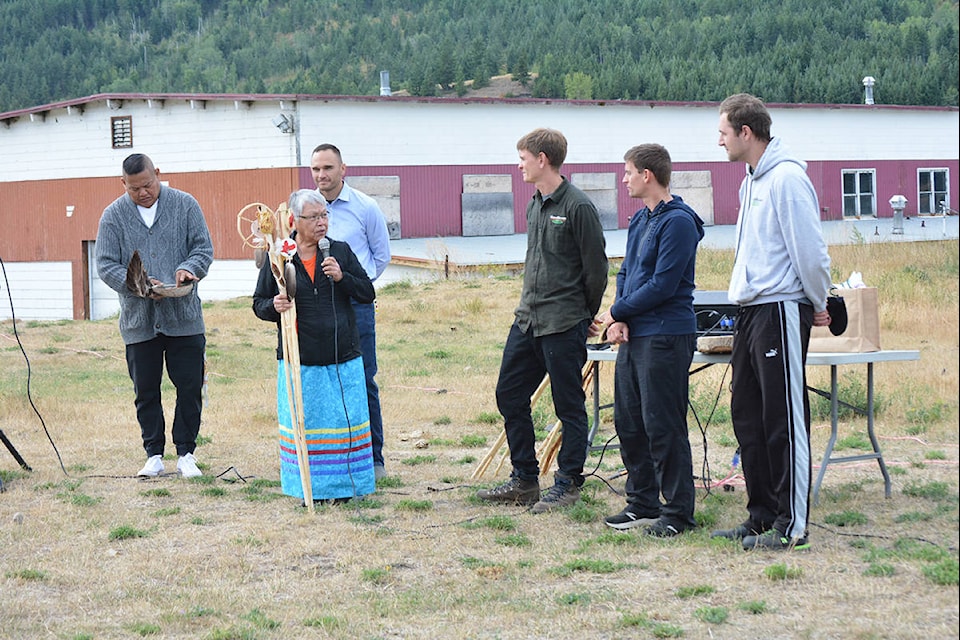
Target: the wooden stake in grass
(502, 438)
(549, 448)
(291, 357)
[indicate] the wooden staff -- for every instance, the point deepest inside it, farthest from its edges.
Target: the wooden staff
(265, 230)
(291, 356)
(503, 458)
(550, 447)
(485, 461)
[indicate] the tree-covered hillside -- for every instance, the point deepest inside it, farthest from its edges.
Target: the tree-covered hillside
(786, 51)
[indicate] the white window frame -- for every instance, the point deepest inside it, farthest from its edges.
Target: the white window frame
(857, 198)
(929, 202)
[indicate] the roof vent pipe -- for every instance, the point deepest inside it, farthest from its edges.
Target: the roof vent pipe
(385, 83)
(868, 83)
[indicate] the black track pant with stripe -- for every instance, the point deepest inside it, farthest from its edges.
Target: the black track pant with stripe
(771, 413)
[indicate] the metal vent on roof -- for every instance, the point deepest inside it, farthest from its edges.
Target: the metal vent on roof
(385, 83)
(868, 82)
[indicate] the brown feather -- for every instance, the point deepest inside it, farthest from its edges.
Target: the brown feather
(138, 282)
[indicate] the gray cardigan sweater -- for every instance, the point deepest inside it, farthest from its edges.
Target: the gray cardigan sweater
(178, 239)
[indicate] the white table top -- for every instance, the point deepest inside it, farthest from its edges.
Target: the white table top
(813, 358)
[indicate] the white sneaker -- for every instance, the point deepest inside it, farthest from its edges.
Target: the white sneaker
(187, 466)
(153, 468)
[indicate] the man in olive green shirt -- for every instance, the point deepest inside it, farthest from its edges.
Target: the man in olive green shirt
(565, 275)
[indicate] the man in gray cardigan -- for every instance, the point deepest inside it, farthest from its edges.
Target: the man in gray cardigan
(166, 228)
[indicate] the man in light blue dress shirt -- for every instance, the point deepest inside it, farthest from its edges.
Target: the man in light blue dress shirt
(355, 218)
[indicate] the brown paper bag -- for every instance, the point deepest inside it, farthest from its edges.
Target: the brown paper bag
(863, 325)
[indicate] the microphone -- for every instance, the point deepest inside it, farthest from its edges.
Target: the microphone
(323, 246)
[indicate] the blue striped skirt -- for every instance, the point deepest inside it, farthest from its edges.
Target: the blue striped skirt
(337, 425)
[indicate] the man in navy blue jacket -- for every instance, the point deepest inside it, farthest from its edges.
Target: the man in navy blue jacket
(653, 322)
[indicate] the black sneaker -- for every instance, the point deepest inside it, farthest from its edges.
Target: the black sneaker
(514, 490)
(559, 495)
(662, 529)
(739, 532)
(775, 541)
(628, 519)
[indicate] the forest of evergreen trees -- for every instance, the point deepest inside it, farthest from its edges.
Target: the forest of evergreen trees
(800, 51)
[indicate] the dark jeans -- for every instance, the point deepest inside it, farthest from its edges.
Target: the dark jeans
(650, 413)
(367, 325)
(185, 367)
(526, 360)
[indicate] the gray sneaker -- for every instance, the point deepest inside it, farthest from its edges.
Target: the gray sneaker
(559, 495)
(739, 532)
(628, 518)
(514, 490)
(776, 541)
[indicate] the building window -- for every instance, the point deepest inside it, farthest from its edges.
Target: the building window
(932, 194)
(859, 193)
(122, 129)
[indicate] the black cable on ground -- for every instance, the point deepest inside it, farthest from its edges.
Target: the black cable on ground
(13, 317)
(705, 469)
(33, 405)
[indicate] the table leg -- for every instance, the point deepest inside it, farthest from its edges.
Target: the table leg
(834, 417)
(596, 404)
(868, 412)
(873, 436)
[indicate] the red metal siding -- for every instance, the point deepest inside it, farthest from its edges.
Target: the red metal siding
(222, 194)
(36, 227)
(33, 215)
(430, 195)
(725, 178)
(893, 177)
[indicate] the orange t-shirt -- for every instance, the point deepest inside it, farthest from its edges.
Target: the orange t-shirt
(310, 265)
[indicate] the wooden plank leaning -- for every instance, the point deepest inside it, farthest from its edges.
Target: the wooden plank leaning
(549, 447)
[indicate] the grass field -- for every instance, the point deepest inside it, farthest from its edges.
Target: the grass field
(88, 551)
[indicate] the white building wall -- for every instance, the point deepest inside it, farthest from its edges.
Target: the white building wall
(228, 279)
(39, 290)
(225, 280)
(457, 134)
(179, 138)
(42, 290)
(228, 134)
(218, 137)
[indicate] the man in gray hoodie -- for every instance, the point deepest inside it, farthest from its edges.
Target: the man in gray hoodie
(780, 280)
(166, 228)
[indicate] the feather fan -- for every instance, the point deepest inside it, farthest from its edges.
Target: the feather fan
(138, 282)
